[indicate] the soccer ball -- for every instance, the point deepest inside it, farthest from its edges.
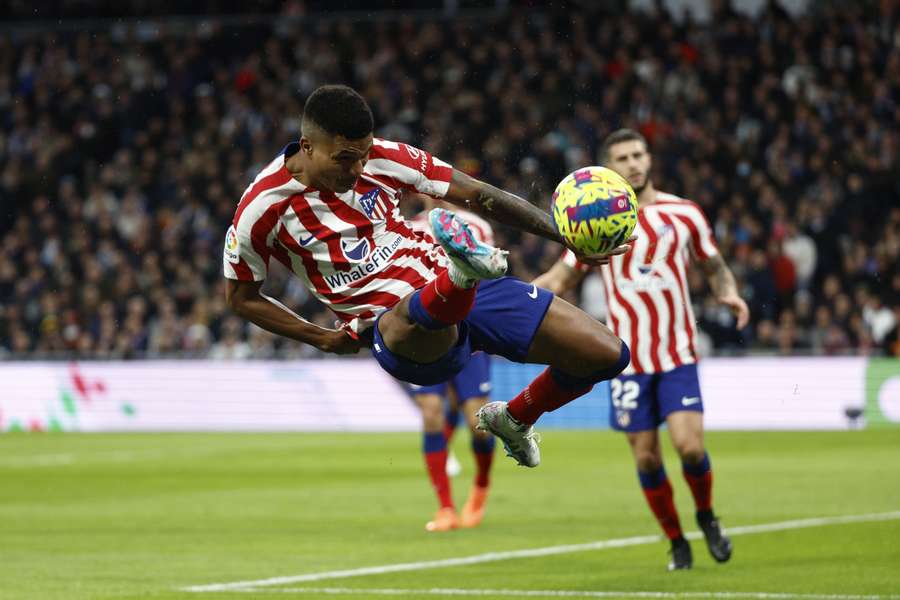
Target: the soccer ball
(594, 209)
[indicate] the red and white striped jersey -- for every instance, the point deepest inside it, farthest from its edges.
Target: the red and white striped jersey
(353, 251)
(647, 288)
(481, 229)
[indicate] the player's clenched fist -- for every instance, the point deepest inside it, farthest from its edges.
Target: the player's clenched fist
(339, 341)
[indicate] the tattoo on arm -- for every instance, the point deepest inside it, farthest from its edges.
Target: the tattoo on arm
(720, 277)
(511, 210)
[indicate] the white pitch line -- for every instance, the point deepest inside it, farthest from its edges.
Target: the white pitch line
(39, 460)
(332, 591)
(531, 553)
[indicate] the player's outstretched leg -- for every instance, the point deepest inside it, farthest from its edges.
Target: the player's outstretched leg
(580, 351)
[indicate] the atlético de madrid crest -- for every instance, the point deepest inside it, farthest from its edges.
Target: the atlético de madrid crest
(374, 204)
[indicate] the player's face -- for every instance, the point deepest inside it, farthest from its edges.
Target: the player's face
(632, 161)
(335, 163)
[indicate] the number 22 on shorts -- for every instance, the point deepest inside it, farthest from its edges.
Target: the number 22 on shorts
(624, 393)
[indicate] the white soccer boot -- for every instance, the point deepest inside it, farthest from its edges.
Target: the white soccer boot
(474, 260)
(519, 439)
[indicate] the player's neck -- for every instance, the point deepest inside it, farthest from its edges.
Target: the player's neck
(296, 167)
(647, 195)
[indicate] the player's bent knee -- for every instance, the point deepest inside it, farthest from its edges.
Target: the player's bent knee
(599, 370)
(648, 463)
(691, 453)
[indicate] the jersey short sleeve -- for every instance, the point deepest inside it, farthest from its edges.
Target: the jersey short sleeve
(703, 242)
(411, 167)
(246, 256)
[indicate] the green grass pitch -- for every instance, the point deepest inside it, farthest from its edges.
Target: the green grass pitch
(146, 515)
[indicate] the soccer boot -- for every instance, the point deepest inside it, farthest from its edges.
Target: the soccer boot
(681, 555)
(473, 511)
(473, 258)
(718, 543)
(444, 519)
(519, 440)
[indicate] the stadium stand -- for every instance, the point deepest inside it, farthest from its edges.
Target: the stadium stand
(125, 148)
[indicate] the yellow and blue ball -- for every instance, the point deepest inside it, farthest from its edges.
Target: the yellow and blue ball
(594, 209)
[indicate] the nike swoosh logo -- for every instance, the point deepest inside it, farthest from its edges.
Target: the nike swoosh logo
(685, 401)
(306, 241)
(533, 293)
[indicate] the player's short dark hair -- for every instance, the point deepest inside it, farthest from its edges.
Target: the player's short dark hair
(338, 110)
(617, 137)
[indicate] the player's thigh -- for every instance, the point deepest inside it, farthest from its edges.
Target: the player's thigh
(573, 341)
(411, 341)
(431, 404)
(686, 433)
(681, 405)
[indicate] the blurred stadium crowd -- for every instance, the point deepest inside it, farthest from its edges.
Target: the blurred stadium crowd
(123, 154)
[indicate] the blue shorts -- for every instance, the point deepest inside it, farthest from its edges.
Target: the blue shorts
(642, 402)
(474, 381)
(503, 321)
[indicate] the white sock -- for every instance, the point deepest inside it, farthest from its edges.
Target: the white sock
(459, 278)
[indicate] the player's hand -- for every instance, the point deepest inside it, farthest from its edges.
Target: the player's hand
(596, 260)
(340, 341)
(738, 308)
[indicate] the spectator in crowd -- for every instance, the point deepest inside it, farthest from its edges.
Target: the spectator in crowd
(124, 151)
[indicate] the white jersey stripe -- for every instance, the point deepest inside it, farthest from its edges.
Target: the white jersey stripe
(647, 289)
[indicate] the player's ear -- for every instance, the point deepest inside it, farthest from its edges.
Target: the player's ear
(305, 145)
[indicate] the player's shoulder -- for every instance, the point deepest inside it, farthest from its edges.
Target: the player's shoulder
(272, 184)
(669, 199)
(667, 202)
(274, 176)
(396, 151)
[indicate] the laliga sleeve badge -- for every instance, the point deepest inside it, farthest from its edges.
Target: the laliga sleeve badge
(232, 246)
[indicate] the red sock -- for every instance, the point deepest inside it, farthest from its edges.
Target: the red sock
(662, 502)
(445, 301)
(483, 460)
(544, 394)
(701, 488)
(437, 472)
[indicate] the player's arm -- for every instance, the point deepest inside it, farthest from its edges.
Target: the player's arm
(509, 209)
(560, 278)
(248, 302)
(724, 286)
(502, 207)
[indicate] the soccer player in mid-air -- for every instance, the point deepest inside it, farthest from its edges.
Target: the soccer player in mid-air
(326, 207)
(649, 308)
